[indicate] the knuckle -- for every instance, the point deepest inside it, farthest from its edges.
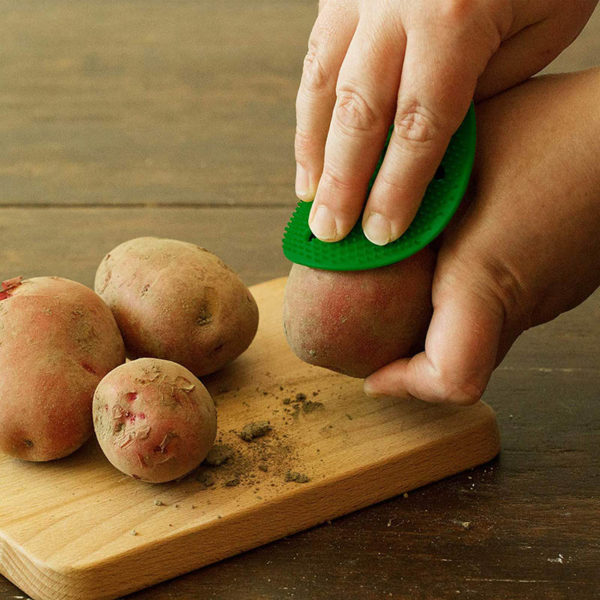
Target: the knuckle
(353, 113)
(456, 11)
(304, 146)
(334, 182)
(496, 284)
(466, 393)
(388, 181)
(463, 392)
(414, 123)
(506, 286)
(314, 75)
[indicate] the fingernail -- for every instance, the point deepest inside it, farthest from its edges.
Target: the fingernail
(378, 229)
(368, 390)
(303, 189)
(323, 224)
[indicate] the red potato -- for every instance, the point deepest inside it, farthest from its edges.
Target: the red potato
(177, 301)
(154, 419)
(356, 322)
(57, 340)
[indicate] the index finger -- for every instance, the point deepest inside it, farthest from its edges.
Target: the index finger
(435, 92)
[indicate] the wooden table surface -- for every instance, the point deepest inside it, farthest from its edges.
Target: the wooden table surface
(176, 119)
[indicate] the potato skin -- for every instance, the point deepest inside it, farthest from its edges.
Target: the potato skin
(177, 301)
(57, 340)
(355, 322)
(154, 419)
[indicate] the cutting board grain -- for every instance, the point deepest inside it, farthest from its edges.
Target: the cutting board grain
(77, 529)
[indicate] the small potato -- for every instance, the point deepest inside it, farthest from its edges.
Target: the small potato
(356, 322)
(57, 340)
(177, 301)
(154, 420)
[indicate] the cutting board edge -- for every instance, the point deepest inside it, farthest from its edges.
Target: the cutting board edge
(52, 581)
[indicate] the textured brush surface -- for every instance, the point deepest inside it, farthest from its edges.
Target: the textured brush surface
(355, 252)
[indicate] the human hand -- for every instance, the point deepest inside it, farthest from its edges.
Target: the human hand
(526, 249)
(418, 64)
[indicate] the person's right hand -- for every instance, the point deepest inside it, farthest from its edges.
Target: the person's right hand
(526, 249)
(418, 64)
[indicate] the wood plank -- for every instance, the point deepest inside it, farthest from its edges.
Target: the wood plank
(70, 242)
(147, 102)
(150, 102)
(66, 526)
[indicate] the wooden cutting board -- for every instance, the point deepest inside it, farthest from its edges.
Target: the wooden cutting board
(77, 529)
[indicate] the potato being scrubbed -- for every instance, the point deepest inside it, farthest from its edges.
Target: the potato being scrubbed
(57, 340)
(154, 419)
(356, 322)
(177, 301)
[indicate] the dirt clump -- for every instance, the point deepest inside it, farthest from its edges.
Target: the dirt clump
(310, 406)
(297, 477)
(218, 454)
(255, 430)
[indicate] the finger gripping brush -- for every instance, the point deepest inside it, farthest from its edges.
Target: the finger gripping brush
(355, 252)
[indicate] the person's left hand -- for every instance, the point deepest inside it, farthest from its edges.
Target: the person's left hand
(526, 249)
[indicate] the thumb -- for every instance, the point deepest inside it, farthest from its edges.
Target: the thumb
(460, 349)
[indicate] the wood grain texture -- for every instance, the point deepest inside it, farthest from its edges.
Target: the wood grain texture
(78, 131)
(77, 529)
(70, 242)
(149, 102)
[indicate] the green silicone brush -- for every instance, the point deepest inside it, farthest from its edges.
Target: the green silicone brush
(355, 252)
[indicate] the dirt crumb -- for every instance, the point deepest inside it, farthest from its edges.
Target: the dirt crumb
(300, 397)
(232, 482)
(263, 467)
(205, 478)
(311, 406)
(297, 477)
(218, 454)
(255, 430)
